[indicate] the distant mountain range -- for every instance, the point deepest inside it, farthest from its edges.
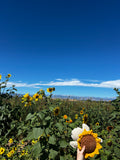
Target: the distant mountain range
(80, 98)
(83, 98)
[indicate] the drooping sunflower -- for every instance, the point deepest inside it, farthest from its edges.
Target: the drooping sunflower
(49, 90)
(91, 143)
(85, 118)
(53, 88)
(56, 111)
(109, 128)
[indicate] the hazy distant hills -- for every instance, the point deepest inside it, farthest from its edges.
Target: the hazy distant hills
(80, 98)
(83, 98)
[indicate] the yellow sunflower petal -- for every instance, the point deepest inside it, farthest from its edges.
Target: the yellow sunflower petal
(97, 142)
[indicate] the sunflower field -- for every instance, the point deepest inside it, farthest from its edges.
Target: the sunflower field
(39, 127)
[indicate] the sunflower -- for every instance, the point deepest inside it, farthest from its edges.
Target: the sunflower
(49, 90)
(109, 128)
(97, 124)
(53, 88)
(65, 116)
(0, 76)
(27, 96)
(109, 142)
(76, 116)
(37, 96)
(91, 143)
(85, 137)
(70, 121)
(81, 112)
(10, 141)
(27, 100)
(9, 154)
(9, 75)
(56, 111)
(2, 150)
(27, 104)
(85, 118)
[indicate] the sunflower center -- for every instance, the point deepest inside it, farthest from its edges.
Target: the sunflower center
(56, 111)
(85, 118)
(89, 142)
(50, 89)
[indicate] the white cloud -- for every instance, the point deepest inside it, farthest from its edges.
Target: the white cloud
(90, 80)
(59, 79)
(73, 82)
(110, 84)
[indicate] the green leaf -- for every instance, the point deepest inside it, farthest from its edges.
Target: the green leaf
(37, 132)
(47, 130)
(63, 143)
(48, 118)
(29, 116)
(52, 140)
(51, 108)
(52, 154)
(59, 126)
(62, 158)
(30, 136)
(41, 115)
(117, 151)
(37, 149)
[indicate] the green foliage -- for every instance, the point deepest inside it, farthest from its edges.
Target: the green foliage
(40, 131)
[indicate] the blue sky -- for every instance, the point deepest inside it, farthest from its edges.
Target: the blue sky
(72, 45)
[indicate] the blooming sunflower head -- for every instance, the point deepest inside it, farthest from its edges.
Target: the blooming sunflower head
(81, 112)
(10, 141)
(49, 90)
(85, 137)
(0, 76)
(36, 96)
(65, 116)
(97, 124)
(70, 121)
(2, 150)
(26, 95)
(9, 75)
(56, 111)
(91, 143)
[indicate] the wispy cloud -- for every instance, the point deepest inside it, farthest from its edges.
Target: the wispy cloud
(17, 84)
(59, 79)
(73, 82)
(90, 80)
